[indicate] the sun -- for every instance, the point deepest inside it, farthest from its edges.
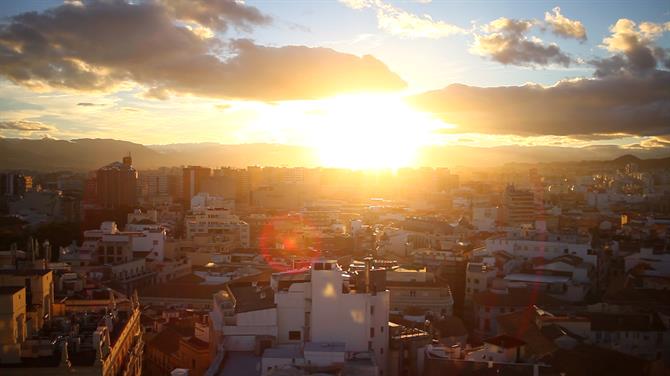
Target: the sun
(378, 131)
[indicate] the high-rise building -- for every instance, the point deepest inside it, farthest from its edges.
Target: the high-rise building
(14, 184)
(117, 184)
(518, 207)
(193, 178)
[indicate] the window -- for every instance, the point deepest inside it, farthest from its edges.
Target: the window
(372, 332)
(193, 364)
(372, 310)
(412, 293)
(294, 335)
(381, 329)
(370, 345)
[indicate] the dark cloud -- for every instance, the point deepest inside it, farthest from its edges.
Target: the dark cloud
(89, 104)
(100, 45)
(24, 126)
(634, 50)
(613, 105)
(506, 42)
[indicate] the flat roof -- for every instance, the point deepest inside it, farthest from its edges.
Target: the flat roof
(282, 352)
(537, 278)
(325, 346)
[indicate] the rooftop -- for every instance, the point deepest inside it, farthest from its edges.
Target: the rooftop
(325, 346)
(505, 341)
(10, 290)
(516, 297)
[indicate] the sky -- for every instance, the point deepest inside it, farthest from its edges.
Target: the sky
(365, 82)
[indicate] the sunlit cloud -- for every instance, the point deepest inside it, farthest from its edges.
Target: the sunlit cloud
(24, 125)
(563, 26)
(111, 46)
(398, 22)
(504, 40)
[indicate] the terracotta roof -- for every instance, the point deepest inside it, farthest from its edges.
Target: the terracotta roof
(516, 297)
(181, 290)
(521, 324)
(166, 341)
(198, 343)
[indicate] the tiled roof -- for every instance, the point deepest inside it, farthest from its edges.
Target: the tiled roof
(166, 341)
(521, 324)
(516, 297)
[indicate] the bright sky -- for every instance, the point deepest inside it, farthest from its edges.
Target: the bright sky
(83, 78)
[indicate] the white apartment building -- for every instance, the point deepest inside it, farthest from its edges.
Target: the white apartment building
(113, 245)
(316, 309)
(528, 244)
(485, 218)
(204, 200)
(217, 221)
(478, 277)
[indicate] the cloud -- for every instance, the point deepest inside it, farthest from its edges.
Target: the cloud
(396, 21)
(89, 104)
(102, 46)
(563, 26)
(24, 126)
(217, 14)
(634, 49)
(505, 41)
(614, 105)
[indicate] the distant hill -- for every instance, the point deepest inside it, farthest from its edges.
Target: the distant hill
(88, 154)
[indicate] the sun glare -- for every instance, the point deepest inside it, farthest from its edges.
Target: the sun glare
(371, 132)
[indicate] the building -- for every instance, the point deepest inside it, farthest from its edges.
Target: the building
(181, 342)
(217, 222)
(117, 185)
(478, 277)
(518, 207)
(91, 336)
(419, 291)
(14, 184)
(13, 317)
(39, 294)
(316, 309)
(501, 299)
(193, 178)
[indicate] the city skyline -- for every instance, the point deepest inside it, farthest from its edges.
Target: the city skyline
(399, 78)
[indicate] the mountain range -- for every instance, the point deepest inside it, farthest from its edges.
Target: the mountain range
(48, 154)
